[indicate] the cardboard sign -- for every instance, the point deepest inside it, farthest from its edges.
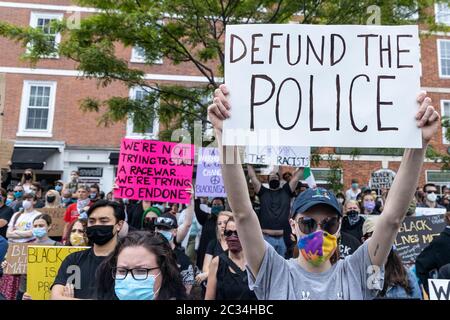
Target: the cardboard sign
(43, 266)
(416, 234)
(154, 170)
(16, 258)
(57, 215)
(278, 155)
(382, 179)
(429, 211)
(318, 85)
(208, 182)
(439, 289)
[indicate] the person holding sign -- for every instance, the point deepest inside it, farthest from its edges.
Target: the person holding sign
(316, 221)
(105, 220)
(275, 206)
(436, 255)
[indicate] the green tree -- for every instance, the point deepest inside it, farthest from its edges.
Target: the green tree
(182, 31)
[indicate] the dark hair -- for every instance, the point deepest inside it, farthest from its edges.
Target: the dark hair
(119, 214)
(354, 181)
(37, 185)
(46, 217)
(428, 185)
(395, 274)
(70, 228)
(3, 192)
(171, 286)
(220, 199)
(95, 186)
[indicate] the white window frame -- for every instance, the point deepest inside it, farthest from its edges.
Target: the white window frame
(436, 13)
(45, 15)
(130, 128)
(136, 58)
(444, 140)
(439, 41)
(22, 130)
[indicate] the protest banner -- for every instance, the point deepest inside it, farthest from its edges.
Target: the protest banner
(57, 215)
(317, 85)
(43, 266)
(439, 289)
(16, 258)
(415, 234)
(429, 211)
(154, 170)
(208, 182)
(278, 155)
(381, 179)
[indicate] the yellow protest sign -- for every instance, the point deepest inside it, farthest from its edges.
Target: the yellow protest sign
(43, 266)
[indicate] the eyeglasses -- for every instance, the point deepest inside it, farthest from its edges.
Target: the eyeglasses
(309, 225)
(139, 274)
(229, 233)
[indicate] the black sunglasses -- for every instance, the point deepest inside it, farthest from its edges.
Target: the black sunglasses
(309, 225)
(229, 233)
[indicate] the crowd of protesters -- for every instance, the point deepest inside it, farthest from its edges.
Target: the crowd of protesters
(274, 237)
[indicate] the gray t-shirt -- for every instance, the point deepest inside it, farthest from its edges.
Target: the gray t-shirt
(352, 278)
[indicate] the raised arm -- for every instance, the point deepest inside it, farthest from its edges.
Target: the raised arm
(189, 215)
(295, 179)
(403, 187)
(247, 223)
(255, 181)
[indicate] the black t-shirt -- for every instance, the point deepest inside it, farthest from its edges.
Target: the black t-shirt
(275, 207)
(88, 262)
(185, 266)
(348, 244)
(6, 213)
(355, 230)
(214, 248)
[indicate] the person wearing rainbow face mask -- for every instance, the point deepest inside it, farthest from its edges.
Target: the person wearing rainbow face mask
(316, 220)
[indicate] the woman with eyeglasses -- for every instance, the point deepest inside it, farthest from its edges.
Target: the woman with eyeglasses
(227, 277)
(316, 220)
(142, 267)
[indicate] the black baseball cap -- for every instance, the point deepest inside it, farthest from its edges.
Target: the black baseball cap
(166, 221)
(312, 197)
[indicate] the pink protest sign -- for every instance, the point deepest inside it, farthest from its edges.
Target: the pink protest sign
(154, 170)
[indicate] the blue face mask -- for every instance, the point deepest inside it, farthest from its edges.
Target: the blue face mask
(8, 202)
(18, 194)
(217, 209)
(132, 289)
(39, 232)
(166, 234)
(58, 188)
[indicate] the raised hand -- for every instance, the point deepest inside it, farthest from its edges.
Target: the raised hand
(427, 118)
(219, 110)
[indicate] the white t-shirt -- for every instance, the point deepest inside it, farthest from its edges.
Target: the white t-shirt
(351, 195)
(24, 223)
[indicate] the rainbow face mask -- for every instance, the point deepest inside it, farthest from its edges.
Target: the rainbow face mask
(317, 247)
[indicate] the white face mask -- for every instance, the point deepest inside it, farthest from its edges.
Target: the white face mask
(431, 197)
(26, 204)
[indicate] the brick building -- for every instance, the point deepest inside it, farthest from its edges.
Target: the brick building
(41, 114)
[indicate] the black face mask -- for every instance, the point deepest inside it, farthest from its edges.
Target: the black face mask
(28, 176)
(149, 224)
(274, 184)
(51, 199)
(100, 235)
(353, 213)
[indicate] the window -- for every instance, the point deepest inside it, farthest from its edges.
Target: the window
(445, 112)
(152, 131)
(37, 109)
(442, 13)
(138, 56)
(444, 58)
(44, 22)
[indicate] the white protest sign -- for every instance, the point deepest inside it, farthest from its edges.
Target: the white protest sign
(429, 211)
(382, 179)
(317, 85)
(439, 289)
(278, 155)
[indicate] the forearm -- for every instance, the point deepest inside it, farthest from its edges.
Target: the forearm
(254, 179)
(397, 203)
